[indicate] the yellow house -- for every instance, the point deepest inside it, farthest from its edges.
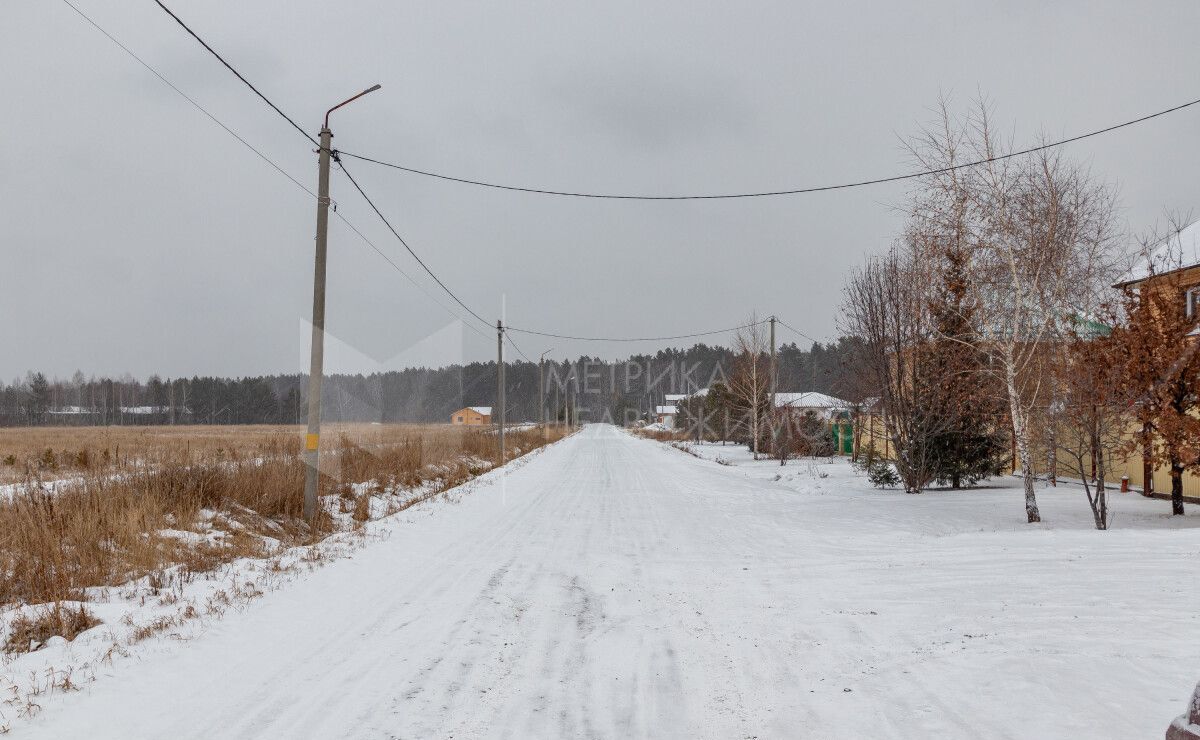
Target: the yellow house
(1177, 261)
(472, 416)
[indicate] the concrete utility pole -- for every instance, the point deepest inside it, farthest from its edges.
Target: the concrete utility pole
(774, 371)
(542, 395)
(773, 382)
(500, 382)
(316, 367)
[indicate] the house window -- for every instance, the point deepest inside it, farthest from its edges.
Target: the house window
(1193, 302)
(460, 420)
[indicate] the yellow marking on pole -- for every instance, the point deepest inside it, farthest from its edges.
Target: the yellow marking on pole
(310, 441)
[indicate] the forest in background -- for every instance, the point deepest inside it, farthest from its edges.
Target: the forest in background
(603, 390)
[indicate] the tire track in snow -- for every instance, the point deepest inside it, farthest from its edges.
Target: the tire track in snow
(615, 588)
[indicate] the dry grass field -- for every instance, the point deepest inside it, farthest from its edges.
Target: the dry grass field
(59, 452)
(87, 507)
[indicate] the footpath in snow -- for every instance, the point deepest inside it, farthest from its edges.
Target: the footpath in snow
(616, 587)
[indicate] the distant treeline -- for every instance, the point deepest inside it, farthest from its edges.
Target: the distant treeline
(602, 390)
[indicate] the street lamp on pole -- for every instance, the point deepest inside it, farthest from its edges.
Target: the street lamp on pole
(312, 440)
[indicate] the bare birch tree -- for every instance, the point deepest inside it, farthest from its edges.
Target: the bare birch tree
(751, 376)
(1039, 230)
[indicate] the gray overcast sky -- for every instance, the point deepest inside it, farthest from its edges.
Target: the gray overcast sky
(141, 237)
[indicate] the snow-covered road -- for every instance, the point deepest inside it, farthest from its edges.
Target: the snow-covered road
(614, 587)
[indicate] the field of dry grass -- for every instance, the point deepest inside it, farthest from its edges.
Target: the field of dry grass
(60, 452)
(105, 506)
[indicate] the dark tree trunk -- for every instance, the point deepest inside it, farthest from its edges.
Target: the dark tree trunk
(1101, 508)
(1147, 466)
(1176, 488)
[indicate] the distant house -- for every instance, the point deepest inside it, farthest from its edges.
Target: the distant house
(472, 416)
(666, 415)
(145, 410)
(835, 412)
(824, 406)
(71, 411)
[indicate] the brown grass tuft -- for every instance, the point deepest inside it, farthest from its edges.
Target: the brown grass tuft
(661, 435)
(31, 632)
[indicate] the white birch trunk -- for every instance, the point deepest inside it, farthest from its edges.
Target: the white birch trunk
(1021, 437)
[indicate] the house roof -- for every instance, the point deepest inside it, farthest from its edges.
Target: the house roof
(68, 410)
(672, 397)
(1179, 250)
(483, 410)
(809, 400)
(665, 410)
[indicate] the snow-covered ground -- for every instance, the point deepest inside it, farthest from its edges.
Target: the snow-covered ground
(611, 586)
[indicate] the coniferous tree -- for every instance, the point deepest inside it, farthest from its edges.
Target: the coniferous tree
(39, 397)
(971, 443)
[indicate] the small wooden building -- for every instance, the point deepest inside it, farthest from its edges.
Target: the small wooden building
(472, 416)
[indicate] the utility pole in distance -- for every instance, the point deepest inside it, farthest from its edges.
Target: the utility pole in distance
(774, 371)
(500, 382)
(542, 395)
(773, 382)
(316, 368)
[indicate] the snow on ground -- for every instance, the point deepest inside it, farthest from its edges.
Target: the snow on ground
(616, 587)
(941, 510)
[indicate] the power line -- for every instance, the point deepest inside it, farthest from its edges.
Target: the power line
(797, 331)
(237, 74)
(261, 155)
(544, 191)
(770, 193)
(341, 164)
(187, 97)
(514, 345)
(410, 278)
(296, 182)
(395, 233)
(633, 339)
(508, 329)
(357, 187)
(716, 196)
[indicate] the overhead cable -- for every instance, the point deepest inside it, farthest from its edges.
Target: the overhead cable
(771, 193)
